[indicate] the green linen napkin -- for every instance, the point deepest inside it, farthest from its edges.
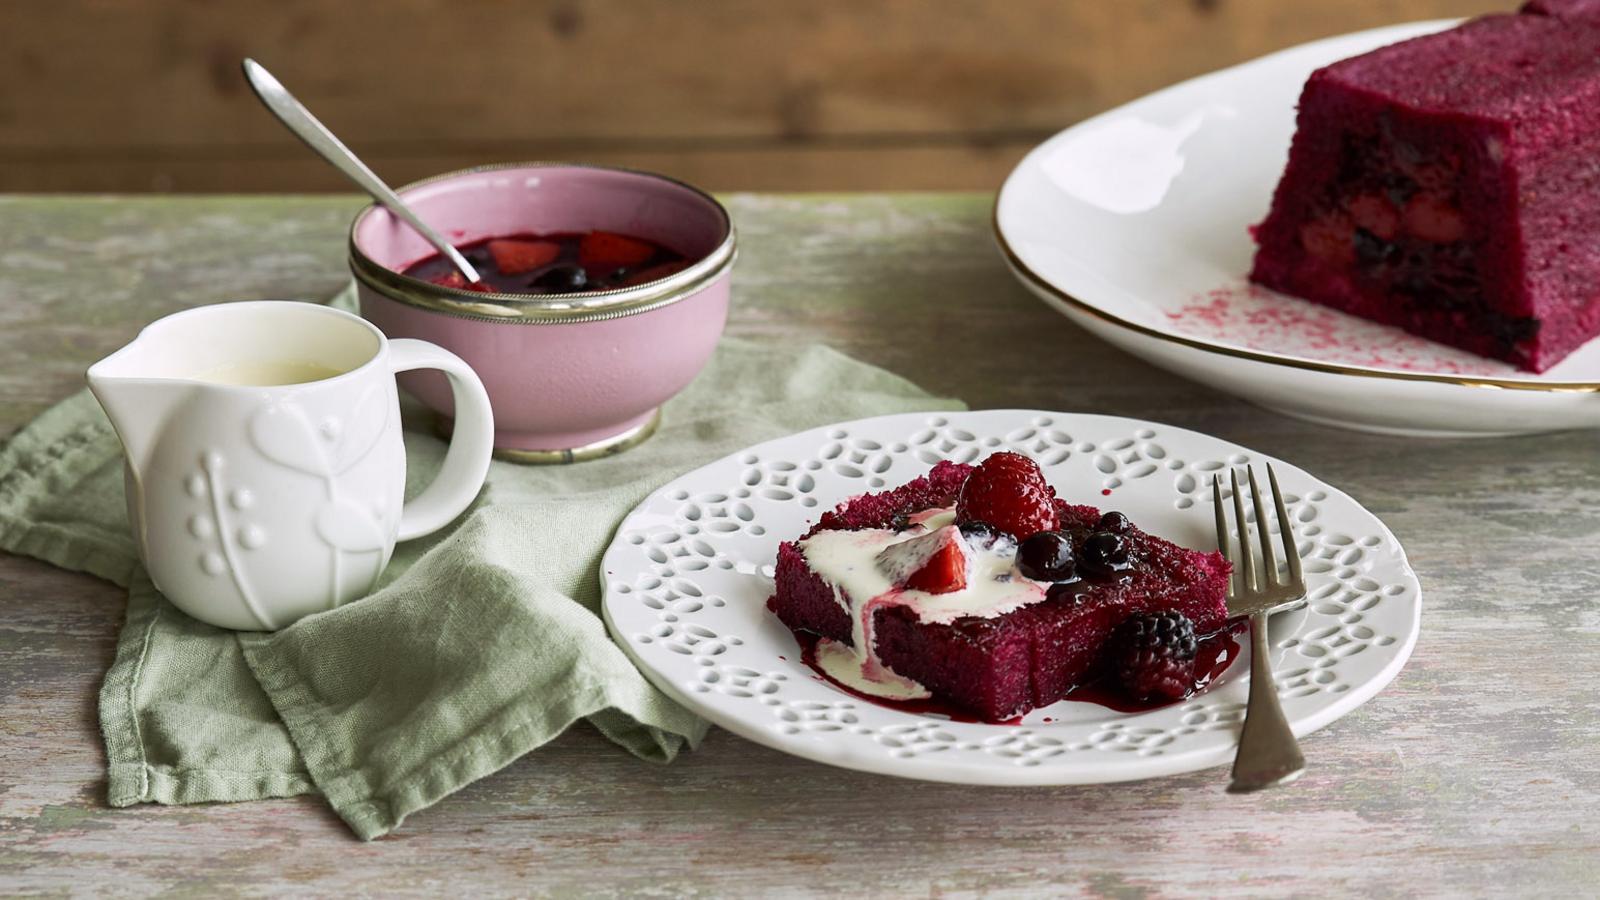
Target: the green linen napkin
(482, 641)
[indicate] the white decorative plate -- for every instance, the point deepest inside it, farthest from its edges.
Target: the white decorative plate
(687, 579)
(1134, 225)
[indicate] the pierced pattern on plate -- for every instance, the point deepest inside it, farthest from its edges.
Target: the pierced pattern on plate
(691, 570)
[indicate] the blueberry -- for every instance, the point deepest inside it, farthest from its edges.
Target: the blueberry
(1114, 522)
(900, 522)
(620, 275)
(1047, 556)
(1104, 553)
(562, 279)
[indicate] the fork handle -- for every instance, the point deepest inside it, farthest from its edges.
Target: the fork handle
(1268, 753)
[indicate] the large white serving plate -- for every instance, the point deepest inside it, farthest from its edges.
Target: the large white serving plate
(1134, 224)
(688, 575)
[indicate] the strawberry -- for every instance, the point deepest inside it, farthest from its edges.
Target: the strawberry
(513, 256)
(608, 250)
(454, 279)
(1008, 491)
(1432, 219)
(935, 562)
(1376, 214)
(944, 572)
(1329, 239)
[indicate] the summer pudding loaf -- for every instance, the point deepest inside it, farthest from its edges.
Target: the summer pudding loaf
(977, 587)
(1450, 185)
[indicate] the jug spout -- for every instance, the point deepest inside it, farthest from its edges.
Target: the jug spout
(138, 405)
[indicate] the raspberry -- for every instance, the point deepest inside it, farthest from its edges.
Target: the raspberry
(1152, 656)
(1008, 491)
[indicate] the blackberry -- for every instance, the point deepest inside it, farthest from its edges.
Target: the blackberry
(1047, 556)
(1152, 656)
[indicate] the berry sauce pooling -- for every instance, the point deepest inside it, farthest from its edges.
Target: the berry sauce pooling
(1214, 653)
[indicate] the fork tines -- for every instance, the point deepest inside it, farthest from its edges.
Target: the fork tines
(1252, 580)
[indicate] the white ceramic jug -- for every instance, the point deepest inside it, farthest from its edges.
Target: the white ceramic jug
(265, 469)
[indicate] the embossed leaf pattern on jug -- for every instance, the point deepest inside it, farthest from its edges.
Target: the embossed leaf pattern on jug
(284, 433)
(222, 527)
(348, 527)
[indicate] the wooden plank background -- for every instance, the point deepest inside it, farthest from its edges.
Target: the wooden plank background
(98, 95)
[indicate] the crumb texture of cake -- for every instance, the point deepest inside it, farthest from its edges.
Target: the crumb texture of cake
(1450, 185)
(1001, 644)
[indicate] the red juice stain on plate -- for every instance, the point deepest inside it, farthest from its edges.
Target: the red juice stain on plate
(1215, 654)
(1105, 492)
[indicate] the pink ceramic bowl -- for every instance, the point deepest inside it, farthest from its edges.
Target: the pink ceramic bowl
(570, 377)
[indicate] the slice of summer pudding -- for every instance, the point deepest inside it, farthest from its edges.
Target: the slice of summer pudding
(913, 596)
(1450, 185)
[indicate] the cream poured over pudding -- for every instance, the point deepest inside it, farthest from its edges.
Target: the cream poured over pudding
(855, 563)
(977, 587)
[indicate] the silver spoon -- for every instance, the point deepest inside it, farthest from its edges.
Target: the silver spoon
(275, 97)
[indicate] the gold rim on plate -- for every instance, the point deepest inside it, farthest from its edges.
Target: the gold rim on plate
(1038, 283)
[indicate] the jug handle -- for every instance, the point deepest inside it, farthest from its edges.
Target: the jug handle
(471, 444)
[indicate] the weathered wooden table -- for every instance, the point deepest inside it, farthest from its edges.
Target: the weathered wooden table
(1476, 772)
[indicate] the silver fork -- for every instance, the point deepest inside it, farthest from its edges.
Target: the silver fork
(1268, 753)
